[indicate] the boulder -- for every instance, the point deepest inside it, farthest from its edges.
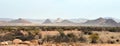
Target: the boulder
(3, 43)
(17, 41)
(35, 42)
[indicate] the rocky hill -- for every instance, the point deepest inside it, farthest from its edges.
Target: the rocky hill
(102, 22)
(66, 21)
(47, 21)
(20, 20)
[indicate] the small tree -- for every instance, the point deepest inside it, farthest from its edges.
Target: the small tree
(94, 37)
(62, 37)
(61, 32)
(82, 38)
(72, 37)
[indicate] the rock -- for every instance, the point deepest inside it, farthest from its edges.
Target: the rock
(53, 45)
(9, 42)
(17, 41)
(40, 41)
(35, 42)
(36, 37)
(70, 45)
(27, 42)
(3, 43)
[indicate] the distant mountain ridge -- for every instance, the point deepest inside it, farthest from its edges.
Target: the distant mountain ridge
(47, 21)
(96, 21)
(66, 21)
(5, 19)
(3, 22)
(78, 20)
(102, 21)
(58, 20)
(20, 20)
(61, 22)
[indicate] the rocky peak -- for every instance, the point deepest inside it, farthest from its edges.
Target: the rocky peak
(47, 21)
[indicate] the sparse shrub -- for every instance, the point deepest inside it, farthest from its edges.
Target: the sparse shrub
(72, 37)
(106, 32)
(61, 38)
(87, 32)
(94, 37)
(33, 31)
(30, 36)
(82, 39)
(48, 38)
(117, 40)
(113, 29)
(61, 33)
(8, 36)
(110, 41)
(112, 37)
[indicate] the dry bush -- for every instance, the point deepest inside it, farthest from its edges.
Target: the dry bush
(94, 37)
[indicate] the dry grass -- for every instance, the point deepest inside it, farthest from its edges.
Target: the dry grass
(64, 44)
(104, 36)
(53, 33)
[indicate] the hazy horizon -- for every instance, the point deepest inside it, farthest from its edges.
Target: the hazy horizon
(66, 9)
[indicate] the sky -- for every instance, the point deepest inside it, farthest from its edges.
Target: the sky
(41, 9)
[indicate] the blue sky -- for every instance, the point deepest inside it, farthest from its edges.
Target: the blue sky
(40, 9)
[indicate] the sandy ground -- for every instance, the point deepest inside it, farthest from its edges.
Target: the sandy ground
(103, 45)
(69, 45)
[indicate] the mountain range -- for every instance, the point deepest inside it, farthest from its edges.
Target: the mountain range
(102, 22)
(109, 22)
